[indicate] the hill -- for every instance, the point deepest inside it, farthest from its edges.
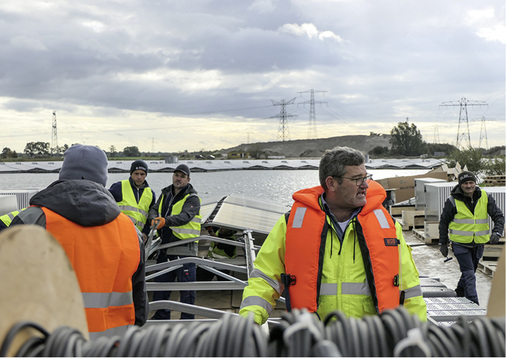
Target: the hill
(308, 148)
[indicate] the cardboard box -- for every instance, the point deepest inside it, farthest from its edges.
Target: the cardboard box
(405, 186)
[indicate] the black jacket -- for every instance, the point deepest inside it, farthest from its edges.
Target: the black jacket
(450, 210)
(88, 204)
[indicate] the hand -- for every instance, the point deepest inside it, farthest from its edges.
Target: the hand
(444, 250)
(494, 238)
(159, 222)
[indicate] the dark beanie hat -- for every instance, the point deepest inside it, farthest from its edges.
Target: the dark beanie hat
(139, 165)
(183, 168)
(84, 162)
(466, 176)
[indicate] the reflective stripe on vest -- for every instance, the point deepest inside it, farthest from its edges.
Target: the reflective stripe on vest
(466, 227)
(7, 218)
(104, 259)
(190, 229)
(137, 212)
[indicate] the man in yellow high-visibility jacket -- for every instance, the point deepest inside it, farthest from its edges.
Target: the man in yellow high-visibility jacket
(337, 249)
(465, 217)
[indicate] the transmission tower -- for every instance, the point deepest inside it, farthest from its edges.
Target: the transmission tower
(483, 133)
(54, 137)
(311, 132)
(463, 119)
(283, 118)
(436, 134)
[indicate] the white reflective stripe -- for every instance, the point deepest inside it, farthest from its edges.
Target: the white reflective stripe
(413, 292)
(355, 288)
(468, 233)
(196, 220)
(185, 231)
(104, 300)
(132, 208)
(298, 218)
(257, 301)
(115, 331)
(10, 216)
(329, 289)
(382, 219)
(481, 221)
(463, 221)
(273, 283)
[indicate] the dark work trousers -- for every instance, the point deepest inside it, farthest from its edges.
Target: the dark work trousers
(468, 259)
(187, 273)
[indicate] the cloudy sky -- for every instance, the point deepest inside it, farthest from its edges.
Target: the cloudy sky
(173, 75)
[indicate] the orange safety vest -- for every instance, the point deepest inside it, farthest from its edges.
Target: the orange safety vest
(305, 247)
(104, 258)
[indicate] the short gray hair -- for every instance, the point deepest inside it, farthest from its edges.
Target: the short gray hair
(334, 162)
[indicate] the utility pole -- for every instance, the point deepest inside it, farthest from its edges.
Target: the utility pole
(463, 119)
(54, 137)
(283, 118)
(483, 133)
(311, 133)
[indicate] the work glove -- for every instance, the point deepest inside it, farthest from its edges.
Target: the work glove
(444, 249)
(159, 222)
(494, 238)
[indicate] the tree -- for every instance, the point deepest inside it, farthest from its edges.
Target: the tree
(113, 151)
(37, 149)
(378, 151)
(8, 153)
(472, 158)
(132, 151)
(407, 140)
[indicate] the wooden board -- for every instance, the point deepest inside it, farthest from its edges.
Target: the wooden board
(37, 284)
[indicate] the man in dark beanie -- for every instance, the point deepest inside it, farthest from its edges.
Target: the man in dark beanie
(134, 196)
(104, 247)
(465, 218)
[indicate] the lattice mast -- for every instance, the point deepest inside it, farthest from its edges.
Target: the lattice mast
(54, 136)
(311, 132)
(483, 133)
(463, 120)
(283, 118)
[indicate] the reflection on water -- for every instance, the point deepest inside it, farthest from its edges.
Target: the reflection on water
(274, 185)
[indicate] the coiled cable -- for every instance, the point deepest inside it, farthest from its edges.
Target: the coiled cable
(299, 333)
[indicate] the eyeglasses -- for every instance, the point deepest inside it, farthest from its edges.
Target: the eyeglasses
(359, 181)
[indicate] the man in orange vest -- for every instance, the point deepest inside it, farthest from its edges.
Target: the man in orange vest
(103, 245)
(337, 249)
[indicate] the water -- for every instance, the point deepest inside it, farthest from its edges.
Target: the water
(274, 185)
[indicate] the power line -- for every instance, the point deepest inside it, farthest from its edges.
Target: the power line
(54, 136)
(483, 133)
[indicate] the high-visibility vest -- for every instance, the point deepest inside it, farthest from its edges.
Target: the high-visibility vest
(104, 258)
(7, 218)
(137, 212)
(307, 230)
(467, 227)
(188, 230)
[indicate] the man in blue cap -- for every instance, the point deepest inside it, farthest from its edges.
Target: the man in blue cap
(177, 212)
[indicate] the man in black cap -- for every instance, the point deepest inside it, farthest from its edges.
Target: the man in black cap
(177, 212)
(134, 196)
(465, 217)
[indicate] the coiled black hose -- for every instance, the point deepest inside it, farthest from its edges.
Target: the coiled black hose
(299, 333)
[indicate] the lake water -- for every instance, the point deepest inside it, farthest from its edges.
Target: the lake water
(274, 185)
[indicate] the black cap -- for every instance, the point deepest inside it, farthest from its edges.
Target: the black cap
(466, 176)
(183, 168)
(139, 165)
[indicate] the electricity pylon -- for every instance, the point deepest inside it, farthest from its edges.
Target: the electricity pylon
(483, 133)
(283, 118)
(54, 137)
(311, 133)
(463, 118)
